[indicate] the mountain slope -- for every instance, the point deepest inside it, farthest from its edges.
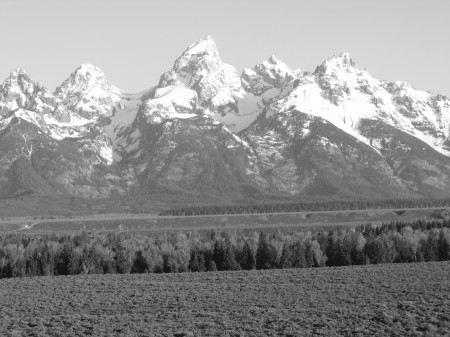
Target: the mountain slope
(207, 134)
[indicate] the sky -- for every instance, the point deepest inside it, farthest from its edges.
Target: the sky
(134, 41)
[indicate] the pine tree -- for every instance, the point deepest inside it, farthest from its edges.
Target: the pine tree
(212, 266)
(444, 246)
(431, 251)
(62, 264)
(194, 263)
(299, 260)
(420, 257)
(287, 258)
(248, 260)
(262, 253)
(229, 261)
(309, 255)
(201, 262)
(219, 253)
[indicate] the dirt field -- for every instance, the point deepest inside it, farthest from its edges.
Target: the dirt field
(378, 300)
(303, 220)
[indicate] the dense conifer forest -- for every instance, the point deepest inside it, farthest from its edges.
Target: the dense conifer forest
(125, 252)
(250, 207)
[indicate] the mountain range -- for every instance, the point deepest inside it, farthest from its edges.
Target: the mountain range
(205, 134)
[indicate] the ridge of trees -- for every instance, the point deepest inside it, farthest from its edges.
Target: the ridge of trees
(100, 253)
(249, 207)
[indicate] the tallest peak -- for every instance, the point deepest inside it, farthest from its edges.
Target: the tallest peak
(205, 44)
(201, 56)
(205, 39)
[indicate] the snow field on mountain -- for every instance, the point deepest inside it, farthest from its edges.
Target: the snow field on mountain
(122, 118)
(249, 110)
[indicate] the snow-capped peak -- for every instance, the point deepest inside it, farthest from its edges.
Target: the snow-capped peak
(206, 44)
(337, 64)
(198, 61)
(341, 60)
(20, 91)
(17, 79)
(267, 76)
(18, 71)
(85, 77)
(276, 61)
(89, 72)
(88, 93)
(200, 69)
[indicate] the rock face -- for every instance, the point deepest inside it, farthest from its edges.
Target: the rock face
(205, 133)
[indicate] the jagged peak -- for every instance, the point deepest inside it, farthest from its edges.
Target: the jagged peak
(340, 60)
(19, 78)
(279, 64)
(205, 44)
(345, 56)
(18, 71)
(200, 59)
(202, 50)
(275, 60)
(336, 63)
(273, 66)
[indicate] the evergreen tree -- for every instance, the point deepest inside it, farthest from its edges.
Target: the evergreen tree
(342, 253)
(219, 253)
(169, 264)
(287, 258)
(420, 257)
(444, 246)
(201, 262)
(431, 249)
(262, 253)
(193, 262)
(212, 266)
(229, 262)
(124, 259)
(299, 259)
(75, 261)
(139, 263)
(309, 254)
(248, 260)
(63, 260)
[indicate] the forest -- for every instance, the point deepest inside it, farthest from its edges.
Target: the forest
(245, 207)
(125, 252)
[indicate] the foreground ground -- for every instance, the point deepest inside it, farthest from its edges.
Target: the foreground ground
(378, 300)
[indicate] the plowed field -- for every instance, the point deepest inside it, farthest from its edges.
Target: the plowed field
(379, 300)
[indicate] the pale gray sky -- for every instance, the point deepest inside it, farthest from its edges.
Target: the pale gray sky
(135, 41)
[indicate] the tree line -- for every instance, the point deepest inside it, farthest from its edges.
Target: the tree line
(124, 252)
(250, 207)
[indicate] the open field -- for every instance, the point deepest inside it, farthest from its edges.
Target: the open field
(374, 300)
(304, 220)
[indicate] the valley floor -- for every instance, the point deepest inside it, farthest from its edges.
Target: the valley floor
(381, 300)
(152, 223)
